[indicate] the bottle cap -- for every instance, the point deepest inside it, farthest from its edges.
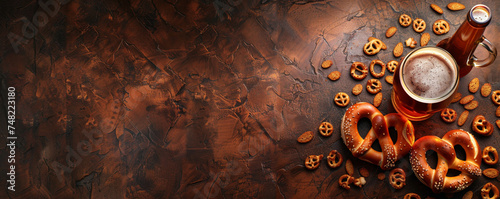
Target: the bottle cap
(479, 15)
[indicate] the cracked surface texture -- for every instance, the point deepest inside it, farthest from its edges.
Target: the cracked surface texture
(204, 99)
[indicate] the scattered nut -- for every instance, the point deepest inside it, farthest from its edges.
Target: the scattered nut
(398, 50)
(389, 79)
(474, 85)
(364, 172)
(463, 118)
(305, 137)
(334, 76)
(437, 8)
(381, 176)
(455, 6)
(468, 195)
(472, 105)
(490, 173)
(424, 39)
(349, 167)
(357, 89)
(466, 99)
(377, 100)
(486, 90)
(390, 32)
(326, 64)
(457, 97)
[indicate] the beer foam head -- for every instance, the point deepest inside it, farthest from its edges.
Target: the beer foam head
(428, 74)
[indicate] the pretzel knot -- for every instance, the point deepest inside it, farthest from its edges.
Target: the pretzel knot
(436, 179)
(361, 147)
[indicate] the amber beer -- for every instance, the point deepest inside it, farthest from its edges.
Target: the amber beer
(424, 83)
(466, 39)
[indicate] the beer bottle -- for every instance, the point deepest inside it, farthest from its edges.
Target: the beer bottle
(468, 36)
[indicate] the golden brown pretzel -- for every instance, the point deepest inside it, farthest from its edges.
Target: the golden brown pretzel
(361, 147)
(486, 155)
(436, 179)
(360, 67)
(485, 191)
(372, 70)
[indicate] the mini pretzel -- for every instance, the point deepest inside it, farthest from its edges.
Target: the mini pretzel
(312, 161)
(361, 147)
(359, 67)
(485, 191)
(345, 180)
(372, 71)
(448, 115)
(334, 159)
(411, 196)
(419, 25)
(373, 47)
(325, 129)
(495, 97)
(397, 178)
(405, 20)
(481, 126)
(486, 155)
(392, 65)
(436, 179)
(341, 99)
(373, 86)
(441, 27)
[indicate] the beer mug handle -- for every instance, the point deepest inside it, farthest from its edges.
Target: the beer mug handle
(485, 43)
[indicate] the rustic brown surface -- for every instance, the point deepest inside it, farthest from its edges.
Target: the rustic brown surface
(184, 100)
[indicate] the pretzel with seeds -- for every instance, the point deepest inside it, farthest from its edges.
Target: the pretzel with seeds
(361, 147)
(436, 179)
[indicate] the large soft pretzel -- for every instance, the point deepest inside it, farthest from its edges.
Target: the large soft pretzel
(436, 179)
(361, 147)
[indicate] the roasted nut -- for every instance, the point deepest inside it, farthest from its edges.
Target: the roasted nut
(463, 118)
(486, 89)
(305, 137)
(397, 178)
(468, 195)
(334, 159)
(490, 173)
(349, 168)
(498, 123)
(487, 153)
(392, 65)
(457, 97)
(372, 70)
(404, 20)
(481, 126)
(448, 115)
(334, 76)
(474, 85)
(364, 172)
(390, 31)
(398, 50)
(345, 180)
(326, 64)
(497, 112)
(424, 39)
(437, 8)
(358, 67)
(381, 176)
(389, 79)
(325, 129)
(467, 99)
(377, 100)
(455, 6)
(312, 161)
(471, 105)
(373, 86)
(342, 99)
(357, 89)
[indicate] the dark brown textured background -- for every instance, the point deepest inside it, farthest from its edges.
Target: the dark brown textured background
(196, 99)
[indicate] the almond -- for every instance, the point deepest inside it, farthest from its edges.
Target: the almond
(437, 8)
(466, 99)
(377, 100)
(455, 6)
(305, 137)
(381, 176)
(491, 173)
(398, 50)
(497, 112)
(474, 85)
(424, 39)
(348, 167)
(364, 172)
(468, 195)
(390, 32)
(456, 97)
(326, 64)
(334, 76)
(463, 118)
(357, 89)
(486, 90)
(472, 105)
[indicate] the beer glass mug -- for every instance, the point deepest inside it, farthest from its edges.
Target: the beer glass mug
(424, 83)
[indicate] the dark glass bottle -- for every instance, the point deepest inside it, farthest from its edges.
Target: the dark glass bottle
(468, 36)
